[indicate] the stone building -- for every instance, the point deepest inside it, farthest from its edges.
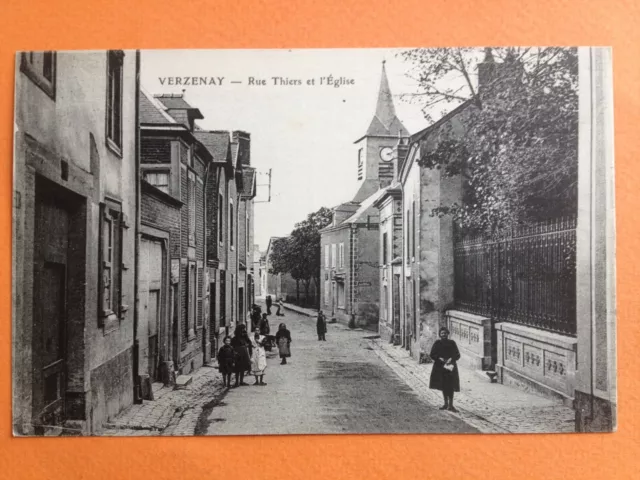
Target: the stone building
(224, 187)
(390, 239)
(246, 275)
(173, 325)
(349, 283)
(258, 272)
(74, 218)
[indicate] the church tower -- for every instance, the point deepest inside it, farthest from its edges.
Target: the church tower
(375, 148)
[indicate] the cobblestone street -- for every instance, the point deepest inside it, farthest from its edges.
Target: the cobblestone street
(352, 383)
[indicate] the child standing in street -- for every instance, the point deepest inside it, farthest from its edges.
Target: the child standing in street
(321, 326)
(226, 361)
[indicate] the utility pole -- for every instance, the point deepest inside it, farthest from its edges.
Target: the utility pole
(266, 185)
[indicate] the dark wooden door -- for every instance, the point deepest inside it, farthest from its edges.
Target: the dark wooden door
(51, 243)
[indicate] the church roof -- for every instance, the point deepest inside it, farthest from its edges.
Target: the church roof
(385, 123)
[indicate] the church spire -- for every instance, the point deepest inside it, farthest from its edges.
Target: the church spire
(385, 122)
(385, 111)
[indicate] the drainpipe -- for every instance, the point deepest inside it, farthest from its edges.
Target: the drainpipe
(137, 394)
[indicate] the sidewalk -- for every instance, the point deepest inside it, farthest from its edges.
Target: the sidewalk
(173, 412)
(490, 407)
(309, 312)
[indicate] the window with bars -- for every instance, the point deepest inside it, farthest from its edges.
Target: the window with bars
(159, 179)
(360, 164)
(40, 67)
(115, 59)
(341, 255)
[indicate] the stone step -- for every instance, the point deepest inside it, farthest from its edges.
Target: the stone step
(183, 381)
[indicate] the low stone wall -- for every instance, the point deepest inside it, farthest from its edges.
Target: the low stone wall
(537, 360)
(472, 334)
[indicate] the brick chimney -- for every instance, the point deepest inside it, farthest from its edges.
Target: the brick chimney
(243, 139)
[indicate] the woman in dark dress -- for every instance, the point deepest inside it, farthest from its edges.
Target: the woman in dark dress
(241, 344)
(226, 361)
(283, 339)
(444, 375)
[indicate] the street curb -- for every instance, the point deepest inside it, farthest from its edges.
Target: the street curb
(470, 418)
(299, 310)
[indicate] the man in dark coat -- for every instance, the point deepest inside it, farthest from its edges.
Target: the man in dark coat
(321, 326)
(268, 304)
(444, 374)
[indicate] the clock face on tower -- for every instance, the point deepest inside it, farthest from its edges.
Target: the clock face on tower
(386, 154)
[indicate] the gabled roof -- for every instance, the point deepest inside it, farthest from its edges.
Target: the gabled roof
(152, 111)
(176, 101)
(365, 206)
(217, 143)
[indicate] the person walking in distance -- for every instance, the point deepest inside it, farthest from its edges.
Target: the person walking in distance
(280, 312)
(268, 300)
(242, 347)
(226, 361)
(321, 326)
(444, 374)
(283, 339)
(258, 358)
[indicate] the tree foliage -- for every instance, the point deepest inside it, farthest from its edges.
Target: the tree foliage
(299, 253)
(518, 154)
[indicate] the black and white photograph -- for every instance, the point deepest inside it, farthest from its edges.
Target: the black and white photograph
(314, 241)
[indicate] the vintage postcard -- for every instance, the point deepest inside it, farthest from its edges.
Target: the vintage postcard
(248, 242)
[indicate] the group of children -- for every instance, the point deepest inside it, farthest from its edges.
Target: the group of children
(243, 354)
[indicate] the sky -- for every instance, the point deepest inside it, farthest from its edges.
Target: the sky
(304, 134)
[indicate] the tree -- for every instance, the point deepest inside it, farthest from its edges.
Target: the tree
(306, 238)
(518, 156)
(299, 253)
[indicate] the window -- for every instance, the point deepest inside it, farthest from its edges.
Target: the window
(326, 257)
(199, 287)
(341, 255)
(192, 208)
(192, 300)
(360, 165)
(231, 234)
(408, 224)
(114, 99)
(246, 231)
(341, 296)
(385, 251)
(220, 218)
(413, 230)
(40, 67)
(111, 262)
(333, 256)
(327, 291)
(159, 179)
(384, 303)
